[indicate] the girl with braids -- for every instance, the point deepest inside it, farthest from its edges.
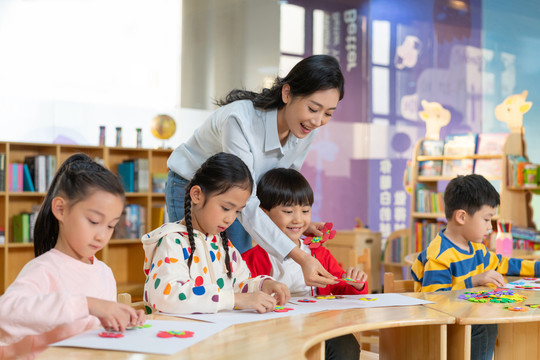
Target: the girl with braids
(273, 128)
(190, 264)
(66, 290)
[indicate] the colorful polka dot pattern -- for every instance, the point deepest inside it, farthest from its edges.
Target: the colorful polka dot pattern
(203, 289)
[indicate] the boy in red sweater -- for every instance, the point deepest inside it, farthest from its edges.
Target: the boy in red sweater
(286, 197)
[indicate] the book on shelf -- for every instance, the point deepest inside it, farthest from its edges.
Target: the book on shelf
(159, 180)
(28, 183)
(428, 201)
(41, 169)
(134, 175)
(21, 228)
(459, 145)
(432, 147)
(490, 144)
(159, 215)
(425, 232)
(15, 177)
(132, 223)
(126, 175)
(2, 235)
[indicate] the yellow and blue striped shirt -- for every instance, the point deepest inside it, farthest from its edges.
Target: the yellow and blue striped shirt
(443, 266)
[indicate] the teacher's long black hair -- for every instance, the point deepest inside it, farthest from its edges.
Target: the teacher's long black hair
(314, 73)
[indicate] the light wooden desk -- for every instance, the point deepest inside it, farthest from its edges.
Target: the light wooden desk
(411, 332)
(519, 332)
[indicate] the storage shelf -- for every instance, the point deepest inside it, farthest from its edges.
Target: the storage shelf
(124, 256)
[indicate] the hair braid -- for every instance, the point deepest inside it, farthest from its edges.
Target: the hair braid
(225, 242)
(189, 226)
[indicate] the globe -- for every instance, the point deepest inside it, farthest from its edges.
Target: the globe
(163, 127)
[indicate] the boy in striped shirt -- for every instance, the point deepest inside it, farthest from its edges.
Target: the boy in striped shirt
(456, 259)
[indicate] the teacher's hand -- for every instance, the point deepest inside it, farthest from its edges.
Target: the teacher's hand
(314, 273)
(314, 229)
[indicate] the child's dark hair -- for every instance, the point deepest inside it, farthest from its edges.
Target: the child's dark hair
(283, 187)
(76, 179)
(469, 193)
(314, 73)
(217, 175)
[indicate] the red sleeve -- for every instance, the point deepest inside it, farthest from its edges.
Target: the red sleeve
(331, 265)
(257, 261)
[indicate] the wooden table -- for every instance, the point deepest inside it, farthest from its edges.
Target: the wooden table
(519, 332)
(410, 332)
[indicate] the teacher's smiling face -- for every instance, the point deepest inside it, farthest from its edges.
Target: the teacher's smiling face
(301, 115)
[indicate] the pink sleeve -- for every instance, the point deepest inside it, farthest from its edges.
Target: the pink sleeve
(30, 306)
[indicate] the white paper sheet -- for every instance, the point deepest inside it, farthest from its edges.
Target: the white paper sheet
(354, 302)
(244, 316)
(145, 340)
(347, 302)
(524, 284)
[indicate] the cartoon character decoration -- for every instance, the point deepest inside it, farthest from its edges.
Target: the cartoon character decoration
(435, 117)
(407, 52)
(511, 111)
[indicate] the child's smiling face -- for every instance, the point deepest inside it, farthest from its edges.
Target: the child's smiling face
(293, 220)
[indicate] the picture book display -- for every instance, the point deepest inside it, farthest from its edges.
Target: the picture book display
(163, 337)
(490, 144)
(459, 145)
(431, 167)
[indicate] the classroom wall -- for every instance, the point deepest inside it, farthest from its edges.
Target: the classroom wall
(61, 77)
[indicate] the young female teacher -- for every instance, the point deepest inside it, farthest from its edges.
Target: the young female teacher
(270, 129)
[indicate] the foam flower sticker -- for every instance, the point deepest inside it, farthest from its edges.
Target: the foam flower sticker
(280, 308)
(110, 334)
(328, 233)
(173, 333)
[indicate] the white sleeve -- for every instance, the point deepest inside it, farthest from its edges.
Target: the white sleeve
(254, 220)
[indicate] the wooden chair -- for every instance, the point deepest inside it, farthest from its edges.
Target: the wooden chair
(125, 298)
(397, 286)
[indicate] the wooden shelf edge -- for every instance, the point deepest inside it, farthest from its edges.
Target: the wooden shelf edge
(421, 215)
(20, 245)
(458, 157)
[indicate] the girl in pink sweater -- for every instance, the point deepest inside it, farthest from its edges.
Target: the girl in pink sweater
(66, 290)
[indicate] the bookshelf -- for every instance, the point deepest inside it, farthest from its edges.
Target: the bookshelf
(515, 201)
(427, 209)
(124, 256)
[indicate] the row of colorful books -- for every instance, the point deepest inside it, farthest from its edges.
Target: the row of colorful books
(132, 223)
(425, 231)
(428, 201)
(463, 145)
(35, 174)
(521, 172)
(134, 175)
(396, 250)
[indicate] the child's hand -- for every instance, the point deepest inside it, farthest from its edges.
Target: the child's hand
(488, 277)
(356, 274)
(140, 319)
(259, 301)
(113, 315)
(279, 290)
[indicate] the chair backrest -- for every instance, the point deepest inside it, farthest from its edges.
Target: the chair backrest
(397, 286)
(410, 258)
(364, 259)
(125, 298)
